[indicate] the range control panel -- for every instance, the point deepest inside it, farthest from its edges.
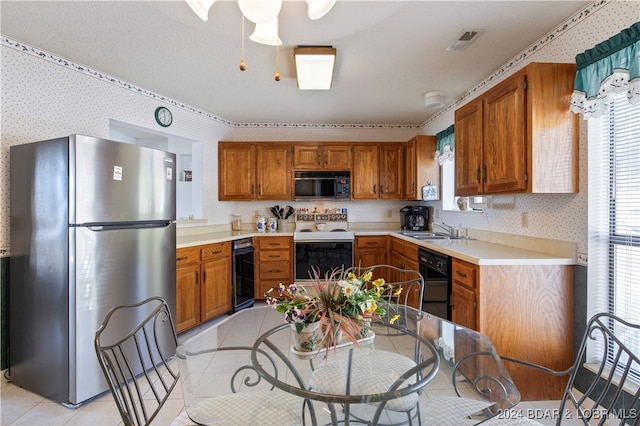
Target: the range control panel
(321, 217)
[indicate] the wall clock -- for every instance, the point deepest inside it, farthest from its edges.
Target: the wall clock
(163, 116)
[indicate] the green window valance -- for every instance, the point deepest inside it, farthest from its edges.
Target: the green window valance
(445, 146)
(612, 66)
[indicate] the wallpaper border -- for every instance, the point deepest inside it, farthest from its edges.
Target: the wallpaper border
(494, 77)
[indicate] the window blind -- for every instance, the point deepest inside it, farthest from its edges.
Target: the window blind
(614, 215)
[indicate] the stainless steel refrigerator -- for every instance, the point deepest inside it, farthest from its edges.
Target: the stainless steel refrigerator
(92, 227)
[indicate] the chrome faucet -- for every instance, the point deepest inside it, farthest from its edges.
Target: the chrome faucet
(444, 226)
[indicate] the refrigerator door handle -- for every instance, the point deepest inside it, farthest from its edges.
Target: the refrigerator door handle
(117, 226)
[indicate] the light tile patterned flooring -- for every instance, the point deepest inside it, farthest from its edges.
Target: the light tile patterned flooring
(21, 407)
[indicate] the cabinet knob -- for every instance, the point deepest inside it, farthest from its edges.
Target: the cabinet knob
(461, 274)
(178, 259)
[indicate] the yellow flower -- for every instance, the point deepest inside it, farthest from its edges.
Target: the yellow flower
(394, 319)
(379, 282)
(370, 306)
(398, 291)
(367, 276)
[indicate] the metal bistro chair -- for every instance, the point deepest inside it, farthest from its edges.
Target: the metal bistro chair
(601, 390)
(326, 377)
(134, 358)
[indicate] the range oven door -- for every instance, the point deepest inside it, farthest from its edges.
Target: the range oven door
(324, 256)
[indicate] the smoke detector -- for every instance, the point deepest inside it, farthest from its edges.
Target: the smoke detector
(464, 39)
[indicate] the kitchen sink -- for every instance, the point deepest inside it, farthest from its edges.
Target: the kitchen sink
(424, 235)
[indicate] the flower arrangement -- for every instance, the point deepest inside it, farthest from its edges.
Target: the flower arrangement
(342, 303)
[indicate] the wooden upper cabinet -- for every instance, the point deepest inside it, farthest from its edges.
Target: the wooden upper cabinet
(392, 171)
(236, 171)
(254, 171)
(519, 136)
(365, 169)
(420, 166)
(273, 171)
(321, 156)
(468, 149)
(505, 145)
(378, 171)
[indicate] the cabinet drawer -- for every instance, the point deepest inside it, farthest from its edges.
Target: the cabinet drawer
(464, 273)
(275, 271)
(265, 285)
(371, 242)
(274, 255)
(216, 251)
(185, 256)
(273, 243)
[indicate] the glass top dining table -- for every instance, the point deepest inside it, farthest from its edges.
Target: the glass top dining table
(420, 370)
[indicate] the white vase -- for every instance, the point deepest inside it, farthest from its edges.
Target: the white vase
(308, 339)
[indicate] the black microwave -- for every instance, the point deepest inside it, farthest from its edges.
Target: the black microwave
(322, 185)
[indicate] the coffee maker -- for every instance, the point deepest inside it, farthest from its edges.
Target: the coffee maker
(414, 218)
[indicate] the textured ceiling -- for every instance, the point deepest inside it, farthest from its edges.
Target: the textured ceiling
(390, 53)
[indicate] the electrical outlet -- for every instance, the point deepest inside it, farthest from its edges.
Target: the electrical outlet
(390, 213)
(525, 219)
(582, 258)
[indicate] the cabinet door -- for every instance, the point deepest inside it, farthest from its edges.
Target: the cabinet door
(236, 171)
(463, 306)
(215, 291)
(468, 158)
(391, 177)
(273, 170)
(420, 166)
(364, 173)
(307, 157)
(505, 144)
(187, 297)
(370, 251)
(337, 157)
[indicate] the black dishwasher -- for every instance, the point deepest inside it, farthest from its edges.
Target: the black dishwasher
(436, 270)
(243, 277)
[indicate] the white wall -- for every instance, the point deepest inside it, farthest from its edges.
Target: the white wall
(45, 96)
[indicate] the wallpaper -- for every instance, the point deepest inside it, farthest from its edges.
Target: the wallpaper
(45, 96)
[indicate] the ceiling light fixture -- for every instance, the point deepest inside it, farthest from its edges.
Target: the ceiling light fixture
(319, 8)
(267, 33)
(201, 7)
(433, 100)
(314, 67)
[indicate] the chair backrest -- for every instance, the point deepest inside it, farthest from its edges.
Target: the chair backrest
(604, 384)
(134, 345)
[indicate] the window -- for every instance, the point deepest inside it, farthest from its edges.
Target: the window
(614, 215)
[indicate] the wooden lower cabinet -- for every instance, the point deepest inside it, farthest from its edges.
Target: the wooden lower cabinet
(203, 284)
(274, 263)
(404, 255)
(526, 311)
(370, 251)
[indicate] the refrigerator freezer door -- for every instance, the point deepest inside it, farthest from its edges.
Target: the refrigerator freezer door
(112, 268)
(118, 182)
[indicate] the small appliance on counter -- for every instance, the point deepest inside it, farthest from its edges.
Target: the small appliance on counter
(414, 218)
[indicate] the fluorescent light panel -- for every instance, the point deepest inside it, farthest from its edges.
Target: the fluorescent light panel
(314, 67)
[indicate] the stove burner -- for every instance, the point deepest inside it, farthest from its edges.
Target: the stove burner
(306, 230)
(339, 230)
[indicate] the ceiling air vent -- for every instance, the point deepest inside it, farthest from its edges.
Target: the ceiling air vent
(464, 39)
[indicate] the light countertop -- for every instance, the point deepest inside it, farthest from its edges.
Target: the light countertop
(476, 251)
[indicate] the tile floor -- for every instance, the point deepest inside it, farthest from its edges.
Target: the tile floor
(21, 407)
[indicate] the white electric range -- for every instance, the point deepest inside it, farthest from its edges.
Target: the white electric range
(324, 249)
